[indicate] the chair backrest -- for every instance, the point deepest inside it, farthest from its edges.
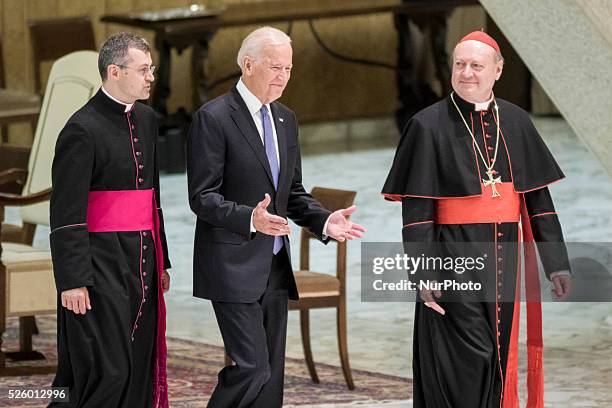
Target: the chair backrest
(2, 79)
(73, 80)
(54, 38)
(332, 199)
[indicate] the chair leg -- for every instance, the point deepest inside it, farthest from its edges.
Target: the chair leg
(27, 327)
(343, 345)
(4, 131)
(305, 328)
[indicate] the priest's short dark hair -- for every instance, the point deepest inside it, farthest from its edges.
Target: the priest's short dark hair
(115, 50)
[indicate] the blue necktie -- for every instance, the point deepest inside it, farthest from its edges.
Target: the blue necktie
(272, 160)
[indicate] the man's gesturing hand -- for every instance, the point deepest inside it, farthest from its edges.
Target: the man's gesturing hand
(76, 300)
(268, 223)
(340, 228)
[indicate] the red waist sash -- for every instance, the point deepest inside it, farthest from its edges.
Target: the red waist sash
(136, 210)
(509, 207)
(481, 209)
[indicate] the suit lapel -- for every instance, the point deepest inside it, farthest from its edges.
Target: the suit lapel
(242, 117)
(281, 135)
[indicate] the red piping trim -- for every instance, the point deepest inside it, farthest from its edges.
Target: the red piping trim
(475, 155)
(501, 373)
(142, 291)
(398, 197)
(542, 186)
(132, 143)
(417, 223)
(484, 140)
(539, 215)
(67, 226)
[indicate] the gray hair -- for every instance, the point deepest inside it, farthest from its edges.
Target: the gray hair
(115, 50)
(256, 40)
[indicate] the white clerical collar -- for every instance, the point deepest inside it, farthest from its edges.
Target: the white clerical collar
(128, 106)
(252, 102)
(481, 106)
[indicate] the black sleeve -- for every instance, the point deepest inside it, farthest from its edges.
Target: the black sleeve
(302, 208)
(162, 231)
(547, 230)
(419, 231)
(205, 166)
(69, 238)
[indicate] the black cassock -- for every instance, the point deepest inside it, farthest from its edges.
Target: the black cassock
(106, 357)
(460, 358)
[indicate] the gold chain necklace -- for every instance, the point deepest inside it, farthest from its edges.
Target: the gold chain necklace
(491, 181)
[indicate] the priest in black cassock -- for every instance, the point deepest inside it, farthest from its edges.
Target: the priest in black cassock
(468, 169)
(107, 240)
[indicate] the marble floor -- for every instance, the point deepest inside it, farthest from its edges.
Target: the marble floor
(578, 336)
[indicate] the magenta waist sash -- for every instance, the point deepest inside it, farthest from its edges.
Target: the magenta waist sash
(136, 210)
(125, 210)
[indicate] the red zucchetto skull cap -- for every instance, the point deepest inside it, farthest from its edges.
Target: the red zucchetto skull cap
(482, 37)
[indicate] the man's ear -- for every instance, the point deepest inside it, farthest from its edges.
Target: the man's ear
(499, 69)
(247, 66)
(112, 72)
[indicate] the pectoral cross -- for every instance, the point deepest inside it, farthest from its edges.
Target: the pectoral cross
(491, 182)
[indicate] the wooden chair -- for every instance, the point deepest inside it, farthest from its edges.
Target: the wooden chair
(15, 106)
(27, 286)
(320, 290)
(54, 38)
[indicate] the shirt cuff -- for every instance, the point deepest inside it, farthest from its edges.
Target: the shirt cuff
(324, 233)
(252, 227)
(564, 272)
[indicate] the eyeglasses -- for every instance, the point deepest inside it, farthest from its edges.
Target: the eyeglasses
(142, 71)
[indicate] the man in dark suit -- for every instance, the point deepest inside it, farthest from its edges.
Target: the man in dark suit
(245, 178)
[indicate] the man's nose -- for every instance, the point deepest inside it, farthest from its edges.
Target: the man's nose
(467, 71)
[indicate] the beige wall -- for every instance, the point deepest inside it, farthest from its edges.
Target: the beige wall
(321, 87)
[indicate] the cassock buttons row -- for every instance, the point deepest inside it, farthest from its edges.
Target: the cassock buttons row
(144, 261)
